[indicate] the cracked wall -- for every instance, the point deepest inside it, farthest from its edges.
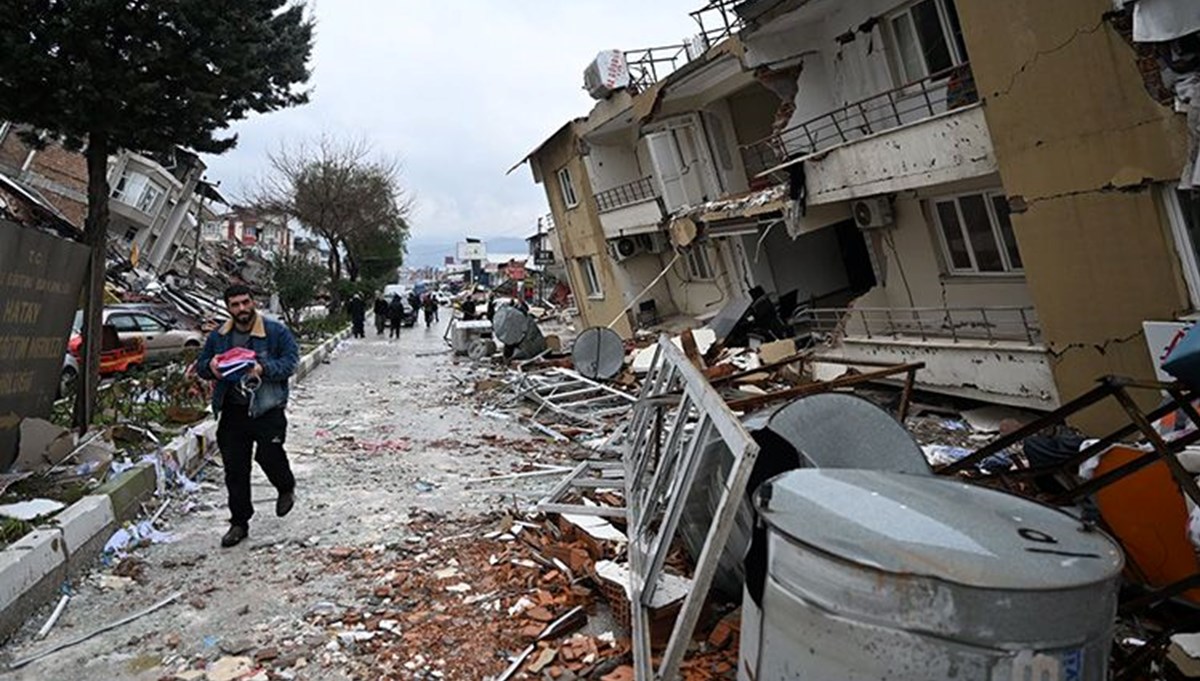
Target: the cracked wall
(1079, 143)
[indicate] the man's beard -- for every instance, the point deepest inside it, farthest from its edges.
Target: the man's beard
(244, 317)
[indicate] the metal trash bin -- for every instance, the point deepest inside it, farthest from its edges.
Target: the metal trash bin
(875, 575)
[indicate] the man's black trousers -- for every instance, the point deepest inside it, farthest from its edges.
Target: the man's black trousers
(242, 439)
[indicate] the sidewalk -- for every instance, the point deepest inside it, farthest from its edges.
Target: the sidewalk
(378, 438)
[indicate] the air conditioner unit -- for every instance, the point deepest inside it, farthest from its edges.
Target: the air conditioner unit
(624, 248)
(654, 242)
(872, 213)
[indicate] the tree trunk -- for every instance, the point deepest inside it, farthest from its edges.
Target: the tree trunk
(96, 237)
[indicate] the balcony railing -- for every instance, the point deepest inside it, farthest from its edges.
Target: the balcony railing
(941, 92)
(957, 324)
(627, 194)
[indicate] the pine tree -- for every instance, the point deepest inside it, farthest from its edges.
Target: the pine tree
(147, 76)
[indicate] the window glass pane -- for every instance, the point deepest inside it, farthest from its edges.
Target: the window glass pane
(123, 322)
(960, 259)
(979, 230)
(933, 39)
(149, 324)
(956, 30)
(1006, 231)
(906, 44)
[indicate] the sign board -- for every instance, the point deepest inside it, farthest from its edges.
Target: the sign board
(470, 250)
(1160, 336)
(543, 258)
(40, 279)
(515, 269)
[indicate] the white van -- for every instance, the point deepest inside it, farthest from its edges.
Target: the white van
(395, 290)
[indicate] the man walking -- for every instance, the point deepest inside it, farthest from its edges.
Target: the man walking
(395, 316)
(251, 358)
(358, 315)
(381, 314)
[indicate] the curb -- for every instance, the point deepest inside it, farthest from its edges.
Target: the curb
(312, 360)
(33, 568)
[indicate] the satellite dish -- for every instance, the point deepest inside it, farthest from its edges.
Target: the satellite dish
(599, 353)
(509, 325)
(683, 232)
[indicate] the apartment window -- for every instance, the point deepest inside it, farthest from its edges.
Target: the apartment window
(118, 190)
(149, 198)
(587, 272)
(698, 264)
(927, 39)
(567, 188)
(1183, 212)
(976, 234)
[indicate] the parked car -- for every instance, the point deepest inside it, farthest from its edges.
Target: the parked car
(163, 342)
(443, 298)
(116, 356)
(70, 374)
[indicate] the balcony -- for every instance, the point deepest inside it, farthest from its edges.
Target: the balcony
(926, 132)
(632, 208)
(994, 354)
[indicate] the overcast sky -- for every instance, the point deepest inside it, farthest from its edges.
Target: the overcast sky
(459, 91)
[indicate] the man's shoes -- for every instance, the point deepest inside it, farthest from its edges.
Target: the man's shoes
(284, 503)
(234, 536)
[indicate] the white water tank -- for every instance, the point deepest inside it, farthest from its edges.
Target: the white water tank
(874, 575)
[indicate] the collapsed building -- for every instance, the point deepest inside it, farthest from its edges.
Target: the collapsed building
(899, 182)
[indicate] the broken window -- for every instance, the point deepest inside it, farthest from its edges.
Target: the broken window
(927, 39)
(587, 272)
(118, 189)
(567, 188)
(1183, 213)
(698, 264)
(149, 197)
(976, 234)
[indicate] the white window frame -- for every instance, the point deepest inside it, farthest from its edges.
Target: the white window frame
(157, 191)
(567, 187)
(118, 190)
(1189, 260)
(897, 56)
(699, 264)
(590, 277)
(988, 196)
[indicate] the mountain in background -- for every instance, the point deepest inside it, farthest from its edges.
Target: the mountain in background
(432, 252)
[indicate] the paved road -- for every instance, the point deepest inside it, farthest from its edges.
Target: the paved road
(379, 436)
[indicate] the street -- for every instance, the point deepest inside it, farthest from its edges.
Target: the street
(381, 440)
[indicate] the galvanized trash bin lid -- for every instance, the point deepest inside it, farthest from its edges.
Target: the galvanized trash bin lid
(910, 576)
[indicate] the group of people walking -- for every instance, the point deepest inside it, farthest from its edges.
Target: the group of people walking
(392, 314)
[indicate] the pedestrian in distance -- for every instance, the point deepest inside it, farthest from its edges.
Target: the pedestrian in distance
(358, 315)
(395, 315)
(381, 315)
(430, 306)
(251, 359)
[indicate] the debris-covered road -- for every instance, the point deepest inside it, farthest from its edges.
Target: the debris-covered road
(384, 443)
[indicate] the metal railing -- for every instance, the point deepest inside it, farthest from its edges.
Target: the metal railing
(958, 324)
(629, 193)
(649, 65)
(720, 13)
(941, 92)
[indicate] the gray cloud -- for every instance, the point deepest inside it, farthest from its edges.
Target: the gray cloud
(458, 90)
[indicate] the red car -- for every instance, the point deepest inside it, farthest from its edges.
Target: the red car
(115, 357)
